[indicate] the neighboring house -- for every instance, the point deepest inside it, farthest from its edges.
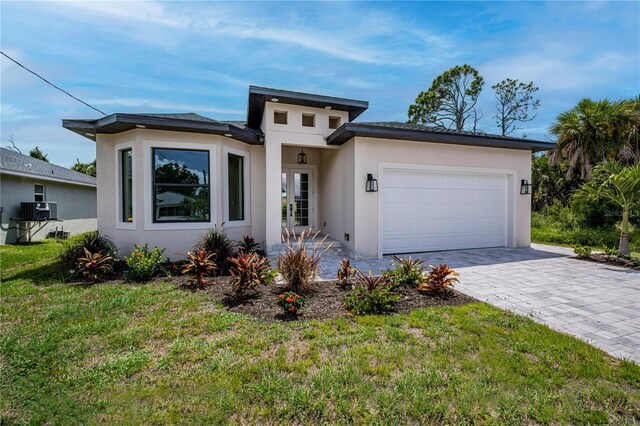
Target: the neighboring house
(300, 161)
(26, 179)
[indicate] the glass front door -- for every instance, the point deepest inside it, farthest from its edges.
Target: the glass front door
(297, 200)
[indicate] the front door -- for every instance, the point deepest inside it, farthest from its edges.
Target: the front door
(297, 199)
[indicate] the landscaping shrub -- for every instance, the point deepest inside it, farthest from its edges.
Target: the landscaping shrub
(94, 242)
(439, 280)
(95, 266)
(371, 295)
(199, 264)
(299, 263)
(291, 303)
(217, 242)
(405, 272)
(143, 264)
(582, 252)
(346, 273)
(248, 270)
(248, 245)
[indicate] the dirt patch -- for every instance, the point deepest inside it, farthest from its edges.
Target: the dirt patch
(324, 301)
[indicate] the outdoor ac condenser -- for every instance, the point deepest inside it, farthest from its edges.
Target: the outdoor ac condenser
(38, 210)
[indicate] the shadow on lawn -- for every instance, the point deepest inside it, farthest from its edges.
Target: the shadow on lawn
(49, 273)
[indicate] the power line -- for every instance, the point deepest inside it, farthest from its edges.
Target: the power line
(51, 84)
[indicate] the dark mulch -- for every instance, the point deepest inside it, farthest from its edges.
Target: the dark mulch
(324, 301)
(613, 260)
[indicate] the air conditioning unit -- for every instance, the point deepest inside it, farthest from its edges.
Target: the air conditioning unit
(38, 210)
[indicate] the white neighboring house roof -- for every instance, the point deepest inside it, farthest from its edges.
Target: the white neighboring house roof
(14, 163)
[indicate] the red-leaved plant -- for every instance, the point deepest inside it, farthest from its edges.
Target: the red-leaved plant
(199, 264)
(439, 280)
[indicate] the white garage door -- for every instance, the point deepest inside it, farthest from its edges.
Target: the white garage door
(428, 211)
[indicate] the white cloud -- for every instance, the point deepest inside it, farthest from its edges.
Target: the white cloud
(163, 105)
(11, 112)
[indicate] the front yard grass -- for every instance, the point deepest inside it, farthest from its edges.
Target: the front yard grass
(152, 353)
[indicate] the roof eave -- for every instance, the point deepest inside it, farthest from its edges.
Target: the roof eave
(118, 123)
(350, 130)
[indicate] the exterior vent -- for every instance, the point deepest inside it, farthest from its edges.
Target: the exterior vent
(38, 210)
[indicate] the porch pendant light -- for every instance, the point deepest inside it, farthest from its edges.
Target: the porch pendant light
(302, 157)
(372, 183)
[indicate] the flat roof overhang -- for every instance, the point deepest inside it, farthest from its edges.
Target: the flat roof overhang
(259, 95)
(118, 123)
(350, 130)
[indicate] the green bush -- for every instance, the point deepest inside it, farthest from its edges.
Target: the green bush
(73, 250)
(582, 252)
(405, 272)
(371, 295)
(142, 264)
(216, 242)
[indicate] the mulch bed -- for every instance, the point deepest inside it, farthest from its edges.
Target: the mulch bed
(324, 301)
(613, 260)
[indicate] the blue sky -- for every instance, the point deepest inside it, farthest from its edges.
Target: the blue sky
(202, 56)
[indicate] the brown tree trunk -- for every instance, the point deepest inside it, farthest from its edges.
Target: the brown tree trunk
(623, 247)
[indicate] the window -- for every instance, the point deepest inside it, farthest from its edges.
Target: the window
(280, 117)
(236, 187)
(308, 120)
(126, 167)
(38, 190)
(180, 185)
(334, 122)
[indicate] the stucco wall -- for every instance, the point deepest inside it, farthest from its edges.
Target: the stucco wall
(177, 238)
(76, 205)
(369, 153)
(336, 212)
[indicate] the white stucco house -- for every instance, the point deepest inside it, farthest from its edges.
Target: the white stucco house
(301, 160)
(38, 198)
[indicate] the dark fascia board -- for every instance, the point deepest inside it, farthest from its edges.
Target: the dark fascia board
(349, 130)
(118, 123)
(259, 95)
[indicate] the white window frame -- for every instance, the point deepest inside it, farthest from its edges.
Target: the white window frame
(147, 158)
(43, 193)
(121, 224)
(246, 165)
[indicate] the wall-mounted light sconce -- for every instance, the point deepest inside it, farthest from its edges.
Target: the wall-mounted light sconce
(302, 157)
(372, 183)
(525, 187)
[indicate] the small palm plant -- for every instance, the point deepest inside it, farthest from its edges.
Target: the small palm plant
(614, 182)
(199, 263)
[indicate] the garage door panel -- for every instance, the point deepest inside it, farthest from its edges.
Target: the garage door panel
(427, 211)
(398, 196)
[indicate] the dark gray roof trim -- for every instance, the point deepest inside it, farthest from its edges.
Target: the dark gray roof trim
(259, 95)
(192, 123)
(409, 132)
(12, 162)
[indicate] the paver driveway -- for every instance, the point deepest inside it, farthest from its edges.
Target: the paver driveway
(594, 302)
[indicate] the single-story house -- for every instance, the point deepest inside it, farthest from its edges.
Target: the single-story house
(299, 161)
(27, 183)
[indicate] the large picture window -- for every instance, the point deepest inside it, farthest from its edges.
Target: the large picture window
(181, 185)
(236, 187)
(126, 165)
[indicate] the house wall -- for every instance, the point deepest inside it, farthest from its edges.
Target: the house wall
(76, 206)
(370, 153)
(336, 210)
(178, 237)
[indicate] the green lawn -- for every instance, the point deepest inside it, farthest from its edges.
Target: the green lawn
(126, 354)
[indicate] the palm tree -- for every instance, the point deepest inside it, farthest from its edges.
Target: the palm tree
(596, 131)
(614, 182)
